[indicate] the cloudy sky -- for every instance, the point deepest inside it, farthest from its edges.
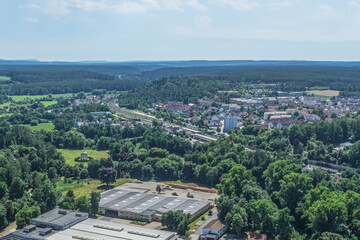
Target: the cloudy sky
(121, 30)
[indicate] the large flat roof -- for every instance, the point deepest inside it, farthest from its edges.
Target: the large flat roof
(119, 199)
(104, 230)
(56, 218)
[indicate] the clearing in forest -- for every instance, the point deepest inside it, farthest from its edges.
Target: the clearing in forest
(324, 93)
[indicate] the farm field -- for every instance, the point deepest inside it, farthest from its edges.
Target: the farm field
(324, 93)
(42, 126)
(85, 187)
(70, 155)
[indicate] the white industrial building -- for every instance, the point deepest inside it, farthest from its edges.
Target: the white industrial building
(136, 205)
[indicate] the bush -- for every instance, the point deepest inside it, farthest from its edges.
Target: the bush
(84, 173)
(34, 122)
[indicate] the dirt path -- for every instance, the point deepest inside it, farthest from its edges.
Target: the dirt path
(11, 228)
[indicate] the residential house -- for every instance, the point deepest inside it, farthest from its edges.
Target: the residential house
(214, 230)
(177, 107)
(256, 236)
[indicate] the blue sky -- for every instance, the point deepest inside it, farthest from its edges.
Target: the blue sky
(122, 30)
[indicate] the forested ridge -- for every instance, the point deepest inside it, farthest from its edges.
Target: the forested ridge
(297, 78)
(46, 82)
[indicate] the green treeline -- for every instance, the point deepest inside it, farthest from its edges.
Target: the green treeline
(46, 82)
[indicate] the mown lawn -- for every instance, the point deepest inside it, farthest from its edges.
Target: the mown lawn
(70, 155)
(42, 126)
(48, 103)
(85, 187)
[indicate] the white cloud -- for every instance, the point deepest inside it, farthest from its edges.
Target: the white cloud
(202, 21)
(32, 20)
(196, 4)
(127, 7)
(241, 5)
(326, 8)
(277, 5)
(325, 12)
(52, 7)
(354, 3)
(62, 7)
(173, 4)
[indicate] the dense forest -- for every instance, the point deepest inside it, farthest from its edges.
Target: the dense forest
(173, 89)
(67, 78)
(46, 82)
(297, 78)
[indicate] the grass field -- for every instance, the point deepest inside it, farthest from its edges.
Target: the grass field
(84, 188)
(5, 79)
(48, 103)
(7, 104)
(324, 93)
(70, 155)
(42, 126)
(34, 97)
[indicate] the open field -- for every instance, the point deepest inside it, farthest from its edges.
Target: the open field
(48, 103)
(70, 155)
(42, 126)
(5, 79)
(84, 187)
(34, 97)
(324, 93)
(182, 183)
(5, 105)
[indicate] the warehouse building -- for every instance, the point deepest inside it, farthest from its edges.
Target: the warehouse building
(141, 206)
(92, 229)
(47, 224)
(59, 219)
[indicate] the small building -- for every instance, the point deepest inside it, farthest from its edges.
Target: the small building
(84, 156)
(213, 230)
(344, 145)
(59, 219)
(256, 236)
(29, 228)
(45, 231)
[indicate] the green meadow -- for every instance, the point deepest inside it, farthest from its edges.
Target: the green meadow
(85, 187)
(42, 126)
(70, 155)
(5, 79)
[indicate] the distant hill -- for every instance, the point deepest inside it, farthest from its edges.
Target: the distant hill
(137, 67)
